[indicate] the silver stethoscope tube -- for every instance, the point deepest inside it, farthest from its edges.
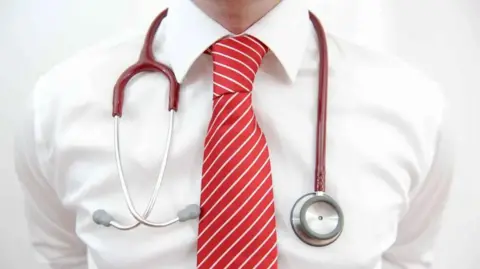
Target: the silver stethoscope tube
(104, 218)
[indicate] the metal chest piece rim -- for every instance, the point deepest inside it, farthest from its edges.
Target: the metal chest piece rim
(302, 222)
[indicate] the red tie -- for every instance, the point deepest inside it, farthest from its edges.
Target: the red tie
(237, 221)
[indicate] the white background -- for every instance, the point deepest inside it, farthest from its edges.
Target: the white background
(440, 36)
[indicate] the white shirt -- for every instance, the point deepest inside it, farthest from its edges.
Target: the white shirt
(388, 154)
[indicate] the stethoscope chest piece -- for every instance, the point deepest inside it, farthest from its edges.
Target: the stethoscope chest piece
(317, 219)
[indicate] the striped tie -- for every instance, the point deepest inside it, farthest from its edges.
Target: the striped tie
(237, 221)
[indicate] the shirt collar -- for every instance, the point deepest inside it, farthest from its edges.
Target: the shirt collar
(189, 32)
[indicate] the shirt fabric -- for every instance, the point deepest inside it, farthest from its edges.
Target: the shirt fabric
(389, 155)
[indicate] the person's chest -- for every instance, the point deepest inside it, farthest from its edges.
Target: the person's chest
(371, 162)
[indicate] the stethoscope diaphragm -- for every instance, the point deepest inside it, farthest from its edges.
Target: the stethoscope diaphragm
(317, 219)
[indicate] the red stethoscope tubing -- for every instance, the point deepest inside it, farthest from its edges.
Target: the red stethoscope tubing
(147, 63)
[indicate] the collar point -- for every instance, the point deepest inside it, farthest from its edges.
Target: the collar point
(179, 73)
(292, 74)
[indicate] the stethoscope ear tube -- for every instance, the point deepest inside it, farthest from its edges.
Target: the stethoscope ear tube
(146, 63)
(102, 217)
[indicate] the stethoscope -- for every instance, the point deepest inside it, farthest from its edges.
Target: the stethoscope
(316, 218)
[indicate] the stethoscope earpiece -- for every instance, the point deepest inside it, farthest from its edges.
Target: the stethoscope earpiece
(190, 212)
(101, 217)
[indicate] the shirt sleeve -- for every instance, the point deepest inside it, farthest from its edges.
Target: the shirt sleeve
(51, 226)
(418, 230)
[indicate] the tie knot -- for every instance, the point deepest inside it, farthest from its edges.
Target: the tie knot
(236, 61)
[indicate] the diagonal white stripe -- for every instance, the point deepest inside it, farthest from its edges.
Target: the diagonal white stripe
(225, 134)
(234, 70)
(234, 59)
(238, 209)
(273, 263)
(249, 243)
(221, 110)
(225, 119)
(212, 179)
(235, 183)
(248, 46)
(240, 222)
(225, 88)
(256, 42)
(266, 255)
(233, 80)
(215, 105)
(226, 162)
(244, 233)
(219, 244)
(241, 52)
(217, 102)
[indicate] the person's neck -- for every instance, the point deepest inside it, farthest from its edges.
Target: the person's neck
(236, 15)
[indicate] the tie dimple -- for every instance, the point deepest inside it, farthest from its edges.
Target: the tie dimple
(237, 227)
